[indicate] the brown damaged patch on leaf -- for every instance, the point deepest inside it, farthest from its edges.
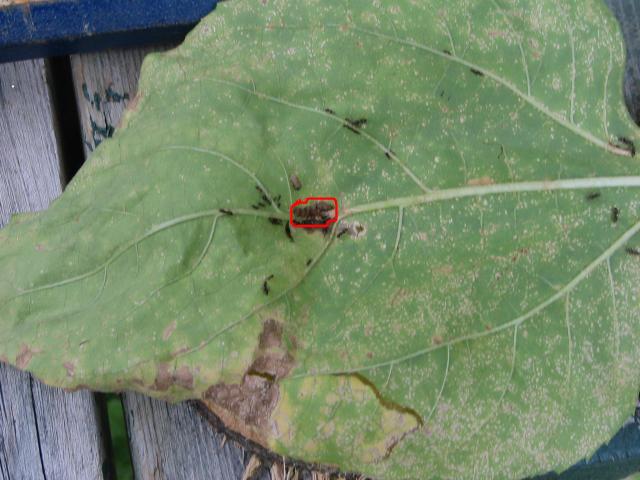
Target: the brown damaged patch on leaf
(77, 388)
(246, 407)
(184, 378)
(271, 336)
(481, 181)
(166, 377)
(25, 355)
(70, 368)
(180, 351)
(167, 332)
(131, 108)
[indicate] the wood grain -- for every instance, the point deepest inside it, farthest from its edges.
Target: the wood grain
(104, 84)
(44, 432)
(174, 441)
(167, 441)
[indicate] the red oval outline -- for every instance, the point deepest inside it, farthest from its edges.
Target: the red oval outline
(308, 225)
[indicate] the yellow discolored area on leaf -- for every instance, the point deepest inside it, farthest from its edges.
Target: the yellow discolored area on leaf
(339, 420)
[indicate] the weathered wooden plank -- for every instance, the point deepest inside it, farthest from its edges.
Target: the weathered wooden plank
(167, 441)
(104, 84)
(44, 432)
(174, 441)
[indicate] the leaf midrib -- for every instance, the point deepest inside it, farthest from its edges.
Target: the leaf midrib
(400, 202)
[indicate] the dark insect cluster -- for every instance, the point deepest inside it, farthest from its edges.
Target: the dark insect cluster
(264, 199)
(354, 125)
(627, 145)
(314, 214)
(633, 251)
(476, 72)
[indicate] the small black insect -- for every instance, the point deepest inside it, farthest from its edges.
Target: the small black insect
(287, 231)
(354, 124)
(263, 195)
(442, 93)
(476, 72)
(360, 122)
(593, 195)
(309, 262)
(295, 182)
(265, 285)
(255, 206)
(447, 52)
(633, 251)
(342, 231)
(226, 211)
(329, 111)
(388, 153)
(631, 147)
(615, 214)
(275, 221)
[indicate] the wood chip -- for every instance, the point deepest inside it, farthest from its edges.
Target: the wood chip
(252, 468)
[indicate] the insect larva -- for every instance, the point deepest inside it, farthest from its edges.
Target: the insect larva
(295, 182)
(314, 214)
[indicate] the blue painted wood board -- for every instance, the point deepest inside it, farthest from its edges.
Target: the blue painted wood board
(60, 27)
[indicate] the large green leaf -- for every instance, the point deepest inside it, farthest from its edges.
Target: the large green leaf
(482, 320)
